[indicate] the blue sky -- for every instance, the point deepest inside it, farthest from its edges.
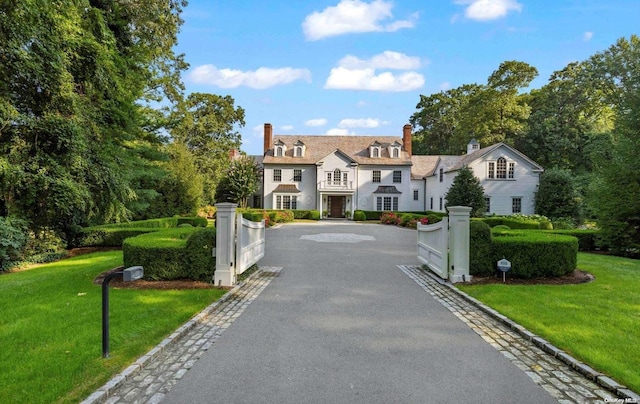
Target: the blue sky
(358, 67)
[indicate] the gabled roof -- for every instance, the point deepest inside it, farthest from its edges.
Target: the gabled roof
(355, 147)
(287, 188)
(467, 159)
(423, 166)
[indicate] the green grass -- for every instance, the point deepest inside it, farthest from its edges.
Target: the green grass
(597, 323)
(51, 329)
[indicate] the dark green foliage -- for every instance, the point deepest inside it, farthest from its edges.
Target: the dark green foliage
(557, 196)
(587, 239)
(314, 215)
(359, 216)
(108, 237)
(13, 239)
(195, 221)
(372, 214)
(201, 264)
(536, 254)
(162, 254)
(480, 244)
(305, 214)
(241, 180)
(253, 216)
(466, 190)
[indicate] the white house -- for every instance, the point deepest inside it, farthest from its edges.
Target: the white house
(339, 174)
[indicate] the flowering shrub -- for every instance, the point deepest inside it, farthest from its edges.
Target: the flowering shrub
(389, 218)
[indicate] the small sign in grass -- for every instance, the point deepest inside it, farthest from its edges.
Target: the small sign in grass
(597, 322)
(50, 327)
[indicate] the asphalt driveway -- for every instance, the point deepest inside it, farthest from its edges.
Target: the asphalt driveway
(341, 324)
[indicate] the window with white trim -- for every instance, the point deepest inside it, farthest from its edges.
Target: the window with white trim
(441, 203)
(512, 169)
(277, 175)
(516, 205)
(416, 195)
(397, 176)
(297, 151)
(279, 151)
(297, 175)
(387, 203)
(441, 174)
(396, 152)
(501, 168)
(487, 202)
(286, 202)
(492, 170)
(376, 176)
(431, 203)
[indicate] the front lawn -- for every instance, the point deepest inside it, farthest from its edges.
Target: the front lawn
(597, 323)
(51, 335)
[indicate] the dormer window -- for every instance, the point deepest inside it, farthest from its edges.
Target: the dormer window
(280, 148)
(374, 150)
(394, 150)
(298, 149)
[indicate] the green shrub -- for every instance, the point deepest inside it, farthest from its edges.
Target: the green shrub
(359, 216)
(162, 254)
(587, 238)
(194, 221)
(389, 218)
(201, 262)
(13, 239)
(434, 218)
(372, 214)
(109, 237)
(512, 222)
(184, 225)
(480, 245)
(536, 254)
(545, 225)
(564, 223)
(314, 215)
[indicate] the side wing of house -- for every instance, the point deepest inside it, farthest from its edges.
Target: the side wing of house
(510, 180)
(385, 187)
(438, 182)
(289, 186)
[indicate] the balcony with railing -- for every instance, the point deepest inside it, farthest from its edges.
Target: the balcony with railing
(336, 185)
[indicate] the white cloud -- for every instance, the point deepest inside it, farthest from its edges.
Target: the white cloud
(354, 73)
(350, 16)
(258, 130)
(262, 78)
(286, 127)
(361, 103)
(316, 122)
(361, 123)
(486, 10)
(587, 36)
(366, 79)
(384, 60)
(340, 132)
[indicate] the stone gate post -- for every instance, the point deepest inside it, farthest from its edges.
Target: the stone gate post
(225, 274)
(459, 219)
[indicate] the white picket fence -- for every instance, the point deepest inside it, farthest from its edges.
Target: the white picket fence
(240, 243)
(433, 246)
(444, 247)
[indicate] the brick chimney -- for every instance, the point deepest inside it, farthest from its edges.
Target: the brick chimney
(268, 137)
(406, 138)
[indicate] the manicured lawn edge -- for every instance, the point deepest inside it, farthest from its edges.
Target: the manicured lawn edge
(600, 378)
(134, 369)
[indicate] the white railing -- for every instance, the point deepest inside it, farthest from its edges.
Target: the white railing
(250, 243)
(433, 246)
(336, 185)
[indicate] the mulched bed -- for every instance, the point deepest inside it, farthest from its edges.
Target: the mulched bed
(575, 277)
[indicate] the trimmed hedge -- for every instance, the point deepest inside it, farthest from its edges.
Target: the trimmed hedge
(480, 247)
(587, 239)
(536, 254)
(182, 253)
(165, 222)
(109, 237)
(513, 223)
(306, 214)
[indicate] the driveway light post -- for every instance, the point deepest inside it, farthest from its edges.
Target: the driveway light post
(129, 274)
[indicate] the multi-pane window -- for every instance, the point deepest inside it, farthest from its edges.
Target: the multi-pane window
(375, 152)
(297, 175)
(297, 151)
(376, 176)
(344, 178)
(396, 152)
(487, 202)
(441, 174)
(257, 201)
(416, 195)
(278, 151)
(431, 203)
(492, 170)
(286, 202)
(278, 201)
(387, 203)
(512, 169)
(277, 175)
(440, 204)
(501, 168)
(516, 205)
(397, 176)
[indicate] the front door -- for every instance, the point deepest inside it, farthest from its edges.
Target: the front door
(336, 206)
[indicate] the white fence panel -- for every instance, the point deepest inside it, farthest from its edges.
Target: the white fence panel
(433, 246)
(250, 243)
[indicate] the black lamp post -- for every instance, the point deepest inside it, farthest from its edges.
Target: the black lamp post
(129, 274)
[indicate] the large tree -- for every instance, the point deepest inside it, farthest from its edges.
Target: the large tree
(70, 124)
(557, 196)
(207, 125)
(616, 72)
(240, 182)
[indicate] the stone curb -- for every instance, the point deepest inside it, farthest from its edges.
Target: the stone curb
(102, 393)
(586, 370)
